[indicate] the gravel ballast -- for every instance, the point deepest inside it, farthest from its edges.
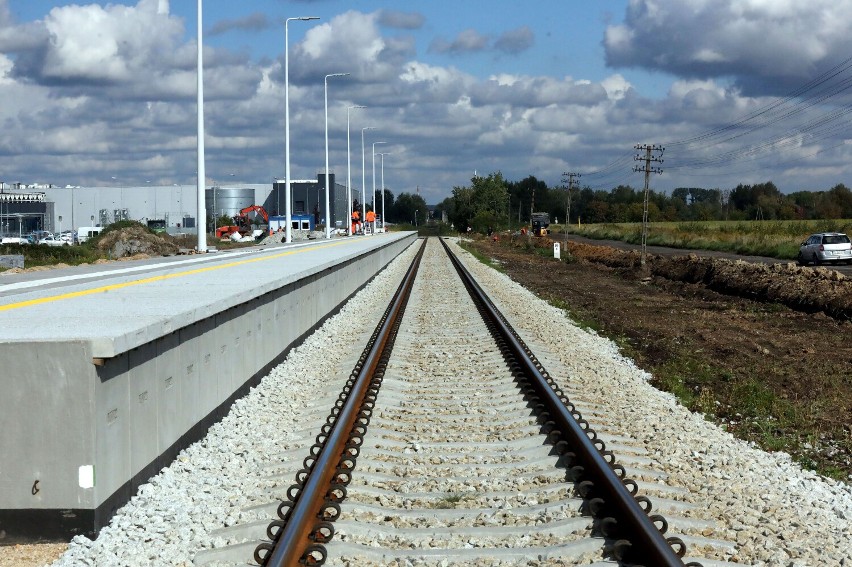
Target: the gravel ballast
(773, 511)
(777, 513)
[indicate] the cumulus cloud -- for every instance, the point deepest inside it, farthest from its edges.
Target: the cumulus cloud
(767, 47)
(527, 92)
(80, 83)
(467, 41)
(350, 42)
(515, 41)
(94, 44)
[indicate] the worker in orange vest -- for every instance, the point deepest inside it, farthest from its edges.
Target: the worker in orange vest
(371, 221)
(356, 221)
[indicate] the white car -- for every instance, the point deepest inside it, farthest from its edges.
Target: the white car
(826, 247)
(14, 240)
(51, 240)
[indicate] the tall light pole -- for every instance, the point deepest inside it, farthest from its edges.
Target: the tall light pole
(349, 172)
(201, 210)
(373, 199)
(288, 230)
(383, 188)
(364, 174)
(327, 209)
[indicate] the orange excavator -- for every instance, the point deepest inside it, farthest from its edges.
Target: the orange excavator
(256, 209)
(243, 222)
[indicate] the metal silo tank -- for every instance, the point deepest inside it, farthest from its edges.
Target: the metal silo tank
(228, 200)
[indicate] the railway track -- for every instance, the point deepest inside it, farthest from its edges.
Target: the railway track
(448, 452)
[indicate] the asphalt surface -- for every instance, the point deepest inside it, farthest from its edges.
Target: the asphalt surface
(665, 251)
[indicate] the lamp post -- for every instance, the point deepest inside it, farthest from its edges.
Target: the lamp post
(349, 173)
(364, 174)
(383, 188)
(373, 198)
(201, 208)
(288, 233)
(327, 210)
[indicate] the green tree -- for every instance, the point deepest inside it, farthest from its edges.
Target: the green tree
(486, 198)
(389, 200)
(409, 208)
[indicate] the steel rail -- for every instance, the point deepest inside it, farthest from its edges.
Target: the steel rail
(646, 541)
(293, 540)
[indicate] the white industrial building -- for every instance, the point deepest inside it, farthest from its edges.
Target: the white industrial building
(26, 208)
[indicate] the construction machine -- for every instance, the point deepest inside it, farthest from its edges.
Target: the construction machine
(243, 218)
(242, 222)
(540, 222)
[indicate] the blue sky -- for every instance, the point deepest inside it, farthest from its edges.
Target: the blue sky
(96, 90)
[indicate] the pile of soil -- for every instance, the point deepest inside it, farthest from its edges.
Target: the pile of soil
(135, 241)
(803, 288)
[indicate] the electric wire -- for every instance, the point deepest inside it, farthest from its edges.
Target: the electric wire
(807, 129)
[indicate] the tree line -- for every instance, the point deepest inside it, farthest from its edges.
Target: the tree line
(406, 208)
(492, 202)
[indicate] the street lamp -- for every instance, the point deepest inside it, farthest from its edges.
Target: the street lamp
(349, 173)
(383, 188)
(364, 174)
(327, 210)
(373, 198)
(201, 206)
(288, 233)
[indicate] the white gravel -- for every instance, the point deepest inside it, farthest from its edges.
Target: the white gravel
(778, 514)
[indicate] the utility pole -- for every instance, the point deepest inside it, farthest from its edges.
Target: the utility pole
(532, 205)
(650, 157)
(571, 176)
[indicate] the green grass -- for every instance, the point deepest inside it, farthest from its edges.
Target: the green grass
(85, 253)
(746, 406)
(584, 323)
(451, 500)
(776, 239)
(482, 257)
(44, 255)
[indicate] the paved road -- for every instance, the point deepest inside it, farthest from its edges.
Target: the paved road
(665, 251)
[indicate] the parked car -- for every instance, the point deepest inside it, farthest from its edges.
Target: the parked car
(52, 240)
(13, 240)
(826, 247)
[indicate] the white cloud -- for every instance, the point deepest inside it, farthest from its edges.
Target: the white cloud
(85, 80)
(767, 44)
(616, 86)
(110, 44)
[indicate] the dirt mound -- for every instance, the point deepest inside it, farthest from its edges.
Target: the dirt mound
(802, 288)
(809, 289)
(135, 241)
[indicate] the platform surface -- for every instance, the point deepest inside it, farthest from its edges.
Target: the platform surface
(122, 305)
